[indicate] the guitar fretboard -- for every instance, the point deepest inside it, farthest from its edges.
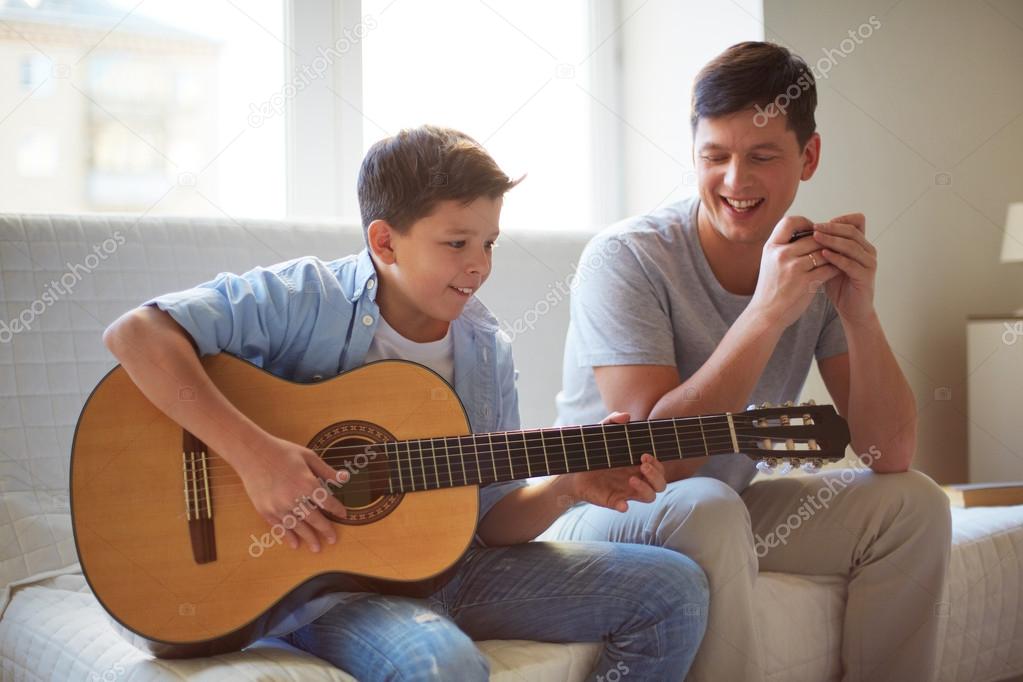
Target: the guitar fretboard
(431, 463)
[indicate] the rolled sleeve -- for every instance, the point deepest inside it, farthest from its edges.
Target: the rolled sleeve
(246, 315)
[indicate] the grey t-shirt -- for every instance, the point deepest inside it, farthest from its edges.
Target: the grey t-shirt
(644, 294)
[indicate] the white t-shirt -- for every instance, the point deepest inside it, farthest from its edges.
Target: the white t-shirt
(388, 344)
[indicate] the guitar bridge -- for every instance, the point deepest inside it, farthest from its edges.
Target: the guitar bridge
(198, 501)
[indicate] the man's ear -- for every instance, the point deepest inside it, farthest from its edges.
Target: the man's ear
(380, 236)
(811, 156)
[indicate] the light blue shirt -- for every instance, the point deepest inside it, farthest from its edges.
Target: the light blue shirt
(306, 320)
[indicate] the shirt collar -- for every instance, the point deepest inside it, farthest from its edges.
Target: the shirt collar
(365, 271)
(474, 313)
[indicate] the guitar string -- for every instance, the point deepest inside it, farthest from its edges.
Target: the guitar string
(367, 481)
(556, 433)
(370, 482)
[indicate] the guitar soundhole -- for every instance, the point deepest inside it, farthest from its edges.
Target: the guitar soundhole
(357, 447)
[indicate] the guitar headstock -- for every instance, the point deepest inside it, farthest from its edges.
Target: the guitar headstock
(776, 436)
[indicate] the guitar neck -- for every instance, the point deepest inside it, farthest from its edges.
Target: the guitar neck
(479, 459)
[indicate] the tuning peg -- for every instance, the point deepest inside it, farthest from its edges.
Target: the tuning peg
(785, 467)
(751, 406)
(764, 406)
(810, 466)
(811, 401)
(765, 468)
(788, 403)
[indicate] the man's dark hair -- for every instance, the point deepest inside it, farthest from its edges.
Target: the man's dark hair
(404, 177)
(762, 75)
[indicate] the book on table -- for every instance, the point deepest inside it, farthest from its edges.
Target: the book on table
(1001, 494)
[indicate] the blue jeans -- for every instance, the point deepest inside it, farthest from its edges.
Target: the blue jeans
(647, 604)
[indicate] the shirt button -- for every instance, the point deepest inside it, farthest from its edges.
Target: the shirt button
(367, 320)
(486, 410)
(371, 283)
(317, 377)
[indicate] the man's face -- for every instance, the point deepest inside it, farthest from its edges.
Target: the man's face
(748, 175)
(445, 257)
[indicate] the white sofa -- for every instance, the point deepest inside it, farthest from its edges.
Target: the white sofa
(52, 628)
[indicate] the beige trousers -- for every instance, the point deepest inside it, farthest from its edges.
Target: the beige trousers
(889, 534)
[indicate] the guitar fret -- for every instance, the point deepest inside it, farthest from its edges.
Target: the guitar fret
(447, 456)
(607, 448)
(628, 442)
(525, 451)
(447, 449)
(433, 453)
(674, 428)
(422, 466)
(564, 450)
(586, 455)
(493, 462)
(653, 443)
(543, 446)
(476, 451)
(508, 445)
(705, 447)
(465, 478)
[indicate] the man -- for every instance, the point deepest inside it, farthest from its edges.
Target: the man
(708, 305)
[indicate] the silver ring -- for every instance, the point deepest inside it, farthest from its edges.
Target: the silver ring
(812, 260)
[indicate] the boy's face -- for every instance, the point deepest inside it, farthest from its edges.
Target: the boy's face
(738, 160)
(441, 260)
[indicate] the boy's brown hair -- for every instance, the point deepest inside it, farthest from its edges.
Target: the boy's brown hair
(761, 75)
(405, 176)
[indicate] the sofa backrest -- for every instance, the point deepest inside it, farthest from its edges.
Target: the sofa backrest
(64, 278)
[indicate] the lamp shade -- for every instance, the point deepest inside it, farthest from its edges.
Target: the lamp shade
(1012, 242)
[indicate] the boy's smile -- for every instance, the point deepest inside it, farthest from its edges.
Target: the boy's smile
(429, 272)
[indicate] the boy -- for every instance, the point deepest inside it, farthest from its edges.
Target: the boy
(430, 200)
(709, 306)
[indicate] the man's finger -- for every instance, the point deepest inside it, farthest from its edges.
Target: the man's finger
(845, 246)
(858, 220)
(784, 230)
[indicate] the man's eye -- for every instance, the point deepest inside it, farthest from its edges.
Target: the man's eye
(763, 158)
(457, 245)
(713, 159)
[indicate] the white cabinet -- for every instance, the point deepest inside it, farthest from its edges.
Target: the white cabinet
(994, 355)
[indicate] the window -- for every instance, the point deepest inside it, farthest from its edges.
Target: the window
(122, 106)
(515, 76)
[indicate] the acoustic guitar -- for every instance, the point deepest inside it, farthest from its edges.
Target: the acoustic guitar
(176, 553)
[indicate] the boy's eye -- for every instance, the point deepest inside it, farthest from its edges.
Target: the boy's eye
(491, 245)
(457, 245)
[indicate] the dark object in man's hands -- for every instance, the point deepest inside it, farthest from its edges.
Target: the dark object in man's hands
(799, 234)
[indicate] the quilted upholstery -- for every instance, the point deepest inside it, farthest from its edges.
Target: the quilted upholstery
(53, 278)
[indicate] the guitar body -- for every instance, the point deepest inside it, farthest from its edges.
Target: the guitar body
(181, 587)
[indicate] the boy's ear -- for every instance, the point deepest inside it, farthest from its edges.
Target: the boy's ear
(379, 235)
